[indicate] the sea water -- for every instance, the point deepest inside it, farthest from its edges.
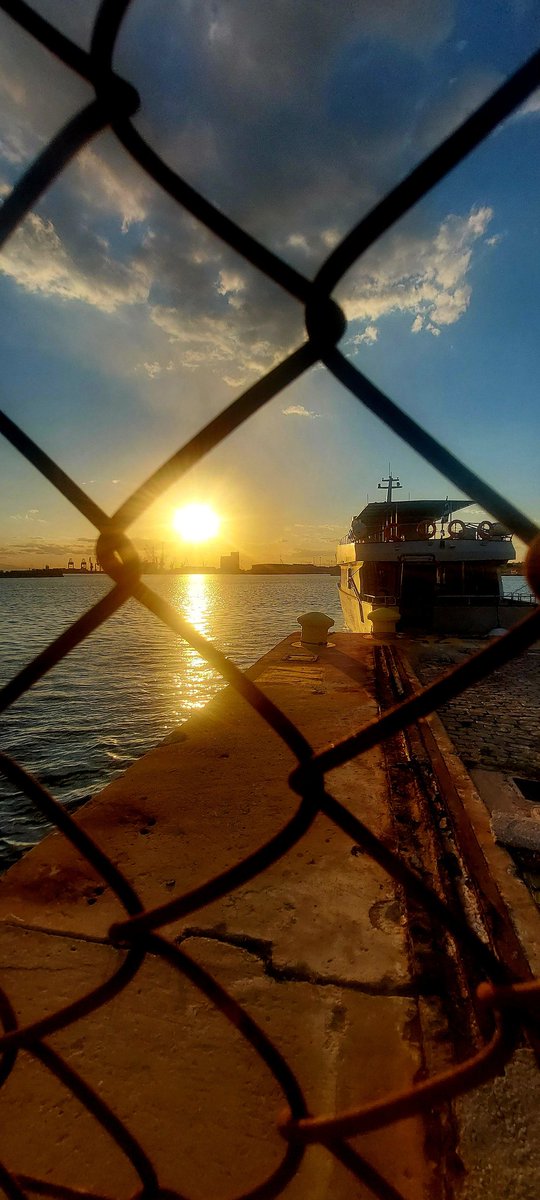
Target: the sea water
(132, 682)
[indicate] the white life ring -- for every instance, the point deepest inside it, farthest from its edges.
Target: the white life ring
(456, 529)
(426, 529)
(485, 529)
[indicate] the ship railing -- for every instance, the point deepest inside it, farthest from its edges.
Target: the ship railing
(521, 595)
(368, 598)
(383, 600)
(471, 598)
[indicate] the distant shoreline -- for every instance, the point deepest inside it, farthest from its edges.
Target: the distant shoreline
(147, 569)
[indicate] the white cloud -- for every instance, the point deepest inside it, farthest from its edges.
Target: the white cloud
(298, 241)
(107, 189)
(31, 515)
(231, 284)
(230, 281)
(298, 410)
(218, 343)
(37, 260)
(423, 276)
(330, 238)
(369, 336)
(531, 107)
(153, 369)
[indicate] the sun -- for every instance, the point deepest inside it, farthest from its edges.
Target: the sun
(196, 522)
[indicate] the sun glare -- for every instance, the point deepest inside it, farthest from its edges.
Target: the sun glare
(196, 522)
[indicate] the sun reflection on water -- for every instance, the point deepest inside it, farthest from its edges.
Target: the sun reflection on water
(195, 680)
(197, 602)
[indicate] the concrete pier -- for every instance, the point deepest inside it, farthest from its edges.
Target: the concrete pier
(316, 949)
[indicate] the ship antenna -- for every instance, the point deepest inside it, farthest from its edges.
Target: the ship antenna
(392, 481)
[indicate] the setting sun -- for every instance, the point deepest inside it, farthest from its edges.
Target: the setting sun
(196, 522)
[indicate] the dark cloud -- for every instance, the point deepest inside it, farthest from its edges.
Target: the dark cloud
(294, 117)
(274, 113)
(31, 111)
(75, 19)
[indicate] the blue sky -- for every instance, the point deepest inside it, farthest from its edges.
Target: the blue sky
(126, 325)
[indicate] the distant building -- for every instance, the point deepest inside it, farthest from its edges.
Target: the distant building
(230, 563)
(282, 568)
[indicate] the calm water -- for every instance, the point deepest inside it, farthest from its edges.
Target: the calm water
(132, 681)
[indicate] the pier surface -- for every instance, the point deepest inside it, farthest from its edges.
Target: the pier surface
(318, 949)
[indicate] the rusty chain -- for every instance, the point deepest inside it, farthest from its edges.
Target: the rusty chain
(510, 1001)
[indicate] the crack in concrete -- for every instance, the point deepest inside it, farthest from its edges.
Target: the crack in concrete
(262, 949)
(62, 933)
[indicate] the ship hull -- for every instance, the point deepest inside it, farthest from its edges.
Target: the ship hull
(460, 620)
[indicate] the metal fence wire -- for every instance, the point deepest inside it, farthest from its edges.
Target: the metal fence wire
(509, 1001)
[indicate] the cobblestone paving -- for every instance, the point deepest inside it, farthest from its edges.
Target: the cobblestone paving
(496, 723)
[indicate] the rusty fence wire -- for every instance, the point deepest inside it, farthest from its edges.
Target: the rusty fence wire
(510, 1001)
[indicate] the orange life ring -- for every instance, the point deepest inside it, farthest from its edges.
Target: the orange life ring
(456, 529)
(426, 529)
(485, 529)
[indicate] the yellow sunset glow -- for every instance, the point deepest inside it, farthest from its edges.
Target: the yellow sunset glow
(195, 522)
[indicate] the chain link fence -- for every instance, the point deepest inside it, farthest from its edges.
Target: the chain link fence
(509, 1002)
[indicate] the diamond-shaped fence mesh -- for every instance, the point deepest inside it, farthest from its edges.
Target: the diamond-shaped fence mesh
(509, 1001)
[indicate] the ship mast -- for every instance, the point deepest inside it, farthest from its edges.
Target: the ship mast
(392, 481)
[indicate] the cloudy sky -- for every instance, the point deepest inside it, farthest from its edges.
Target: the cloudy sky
(126, 325)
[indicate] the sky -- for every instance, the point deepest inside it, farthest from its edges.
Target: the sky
(126, 325)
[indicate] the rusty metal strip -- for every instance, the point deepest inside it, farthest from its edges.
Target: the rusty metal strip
(503, 934)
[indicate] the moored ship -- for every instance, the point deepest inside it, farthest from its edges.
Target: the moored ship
(437, 572)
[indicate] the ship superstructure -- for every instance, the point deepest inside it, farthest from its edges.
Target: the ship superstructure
(441, 572)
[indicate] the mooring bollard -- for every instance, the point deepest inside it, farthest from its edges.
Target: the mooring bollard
(384, 621)
(315, 626)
